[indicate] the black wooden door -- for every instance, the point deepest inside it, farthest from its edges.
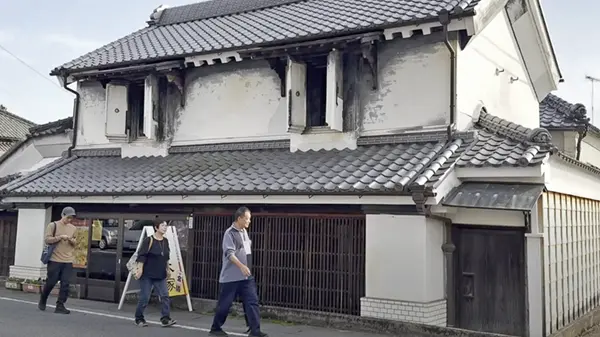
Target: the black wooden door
(490, 285)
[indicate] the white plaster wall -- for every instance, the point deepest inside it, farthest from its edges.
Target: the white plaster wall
(224, 102)
(34, 152)
(404, 259)
(590, 150)
(569, 179)
(495, 48)
(23, 158)
(413, 87)
(91, 124)
(31, 225)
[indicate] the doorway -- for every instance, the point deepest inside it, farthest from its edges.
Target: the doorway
(113, 240)
(490, 279)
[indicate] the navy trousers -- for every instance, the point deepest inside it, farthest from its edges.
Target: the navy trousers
(246, 289)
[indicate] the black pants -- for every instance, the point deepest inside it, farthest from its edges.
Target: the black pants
(58, 272)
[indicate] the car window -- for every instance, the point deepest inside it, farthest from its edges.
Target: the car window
(140, 224)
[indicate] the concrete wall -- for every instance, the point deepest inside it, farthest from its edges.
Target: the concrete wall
(404, 269)
(480, 84)
(31, 225)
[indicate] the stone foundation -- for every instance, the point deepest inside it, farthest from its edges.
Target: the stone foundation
(431, 313)
(28, 273)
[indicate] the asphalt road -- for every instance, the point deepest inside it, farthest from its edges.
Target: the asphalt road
(19, 317)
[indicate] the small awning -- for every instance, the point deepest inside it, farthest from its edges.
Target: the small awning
(500, 196)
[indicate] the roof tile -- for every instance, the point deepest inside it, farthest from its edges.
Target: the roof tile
(500, 142)
(558, 114)
(13, 127)
(376, 169)
(217, 25)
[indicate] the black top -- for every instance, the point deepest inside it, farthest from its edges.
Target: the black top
(156, 259)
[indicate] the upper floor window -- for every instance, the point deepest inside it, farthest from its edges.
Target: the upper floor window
(132, 109)
(315, 92)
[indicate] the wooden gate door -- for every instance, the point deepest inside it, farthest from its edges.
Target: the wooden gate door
(8, 240)
(490, 285)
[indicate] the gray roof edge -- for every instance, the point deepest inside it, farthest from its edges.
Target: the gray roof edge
(573, 161)
(238, 146)
(392, 192)
(63, 70)
(24, 180)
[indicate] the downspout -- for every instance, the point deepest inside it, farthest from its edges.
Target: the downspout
(444, 18)
(75, 116)
(582, 135)
(448, 248)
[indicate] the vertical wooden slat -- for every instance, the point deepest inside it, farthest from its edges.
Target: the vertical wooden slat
(310, 262)
(571, 227)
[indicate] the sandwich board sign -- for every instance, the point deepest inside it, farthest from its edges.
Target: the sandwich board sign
(177, 283)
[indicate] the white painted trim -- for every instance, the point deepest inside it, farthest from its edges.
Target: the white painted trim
(406, 32)
(536, 13)
(408, 131)
(449, 182)
(501, 173)
(224, 57)
(208, 141)
(481, 217)
(225, 199)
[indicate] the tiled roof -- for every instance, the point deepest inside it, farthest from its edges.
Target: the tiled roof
(5, 146)
(380, 165)
(52, 128)
(556, 113)
(503, 143)
(219, 25)
(375, 169)
(13, 127)
(48, 129)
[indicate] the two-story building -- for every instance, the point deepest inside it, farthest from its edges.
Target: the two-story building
(390, 151)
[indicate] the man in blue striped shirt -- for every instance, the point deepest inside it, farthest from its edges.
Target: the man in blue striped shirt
(236, 276)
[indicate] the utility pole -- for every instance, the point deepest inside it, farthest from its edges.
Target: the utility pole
(593, 80)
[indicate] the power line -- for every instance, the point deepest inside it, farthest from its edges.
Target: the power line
(30, 67)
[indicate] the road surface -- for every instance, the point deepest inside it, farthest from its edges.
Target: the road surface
(19, 317)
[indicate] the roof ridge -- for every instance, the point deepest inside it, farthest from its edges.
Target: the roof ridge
(22, 119)
(574, 111)
(517, 132)
(221, 8)
(43, 127)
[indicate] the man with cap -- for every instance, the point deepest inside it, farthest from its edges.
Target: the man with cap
(60, 267)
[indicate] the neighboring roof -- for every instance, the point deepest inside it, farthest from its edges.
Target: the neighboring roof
(13, 127)
(219, 25)
(52, 128)
(558, 114)
(500, 196)
(503, 143)
(254, 168)
(48, 129)
(5, 146)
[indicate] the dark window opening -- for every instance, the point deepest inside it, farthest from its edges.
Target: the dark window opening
(135, 111)
(316, 91)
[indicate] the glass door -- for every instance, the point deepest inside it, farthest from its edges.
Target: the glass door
(104, 255)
